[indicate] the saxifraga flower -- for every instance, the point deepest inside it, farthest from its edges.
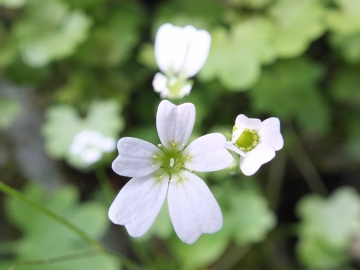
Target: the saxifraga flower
(168, 170)
(180, 53)
(255, 142)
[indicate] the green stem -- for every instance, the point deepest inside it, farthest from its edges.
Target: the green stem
(232, 256)
(18, 195)
(104, 183)
(304, 163)
(83, 235)
(275, 180)
(70, 257)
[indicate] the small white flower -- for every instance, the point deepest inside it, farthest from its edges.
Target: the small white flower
(167, 169)
(180, 53)
(255, 142)
(90, 145)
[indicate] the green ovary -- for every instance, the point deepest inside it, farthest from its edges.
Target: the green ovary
(248, 140)
(172, 161)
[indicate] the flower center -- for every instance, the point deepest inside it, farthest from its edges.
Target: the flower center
(247, 140)
(172, 161)
(179, 86)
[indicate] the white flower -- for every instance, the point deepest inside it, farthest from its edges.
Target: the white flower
(255, 142)
(90, 145)
(180, 53)
(167, 169)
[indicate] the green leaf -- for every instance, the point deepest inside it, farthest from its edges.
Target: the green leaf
(8, 50)
(45, 238)
(109, 110)
(254, 4)
(316, 255)
(344, 19)
(57, 138)
(63, 123)
(9, 111)
(12, 3)
(49, 31)
(348, 45)
(206, 250)
(202, 14)
(352, 143)
(235, 57)
(111, 43)
(344, 85)
(250, 217)
(325, 238)
(288, 90)
(296, 25)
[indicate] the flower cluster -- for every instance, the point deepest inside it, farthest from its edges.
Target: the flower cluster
(89, 146)
(167, 170)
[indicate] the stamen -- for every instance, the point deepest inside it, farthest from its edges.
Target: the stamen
(172, 162)
(159, 145)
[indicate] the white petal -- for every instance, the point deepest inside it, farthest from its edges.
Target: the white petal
(138, 203)
(207, 154)
(185, 90)
(136, 158)
(170, 48)
(108, 144)
(90, 156)
(193, 209)
(198, 47)
(261, 154)
(175, 123)
(269, 132)
(236, 134)
(230, 146)
(245, 122)
(160, 83)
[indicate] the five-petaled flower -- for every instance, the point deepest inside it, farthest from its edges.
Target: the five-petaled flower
(180, 53)
(168, 170)
(255, 142)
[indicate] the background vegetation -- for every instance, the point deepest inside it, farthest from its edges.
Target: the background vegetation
(69, 65)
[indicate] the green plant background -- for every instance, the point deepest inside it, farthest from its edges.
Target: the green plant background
(69, 65)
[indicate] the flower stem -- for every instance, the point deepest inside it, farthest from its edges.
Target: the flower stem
(75, 256)
(304, 163)
(104, 183)
(275, 180)
(70, 226)
(18, 195)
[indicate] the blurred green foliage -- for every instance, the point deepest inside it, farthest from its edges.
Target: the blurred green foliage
(46, 238)
(91, 63)
(327, 228)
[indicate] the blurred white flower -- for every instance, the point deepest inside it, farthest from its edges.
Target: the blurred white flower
(180, 53)
(167, 169)
(255, 142)
(89, 146)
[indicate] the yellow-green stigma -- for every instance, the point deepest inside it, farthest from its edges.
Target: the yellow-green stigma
(247, 141)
